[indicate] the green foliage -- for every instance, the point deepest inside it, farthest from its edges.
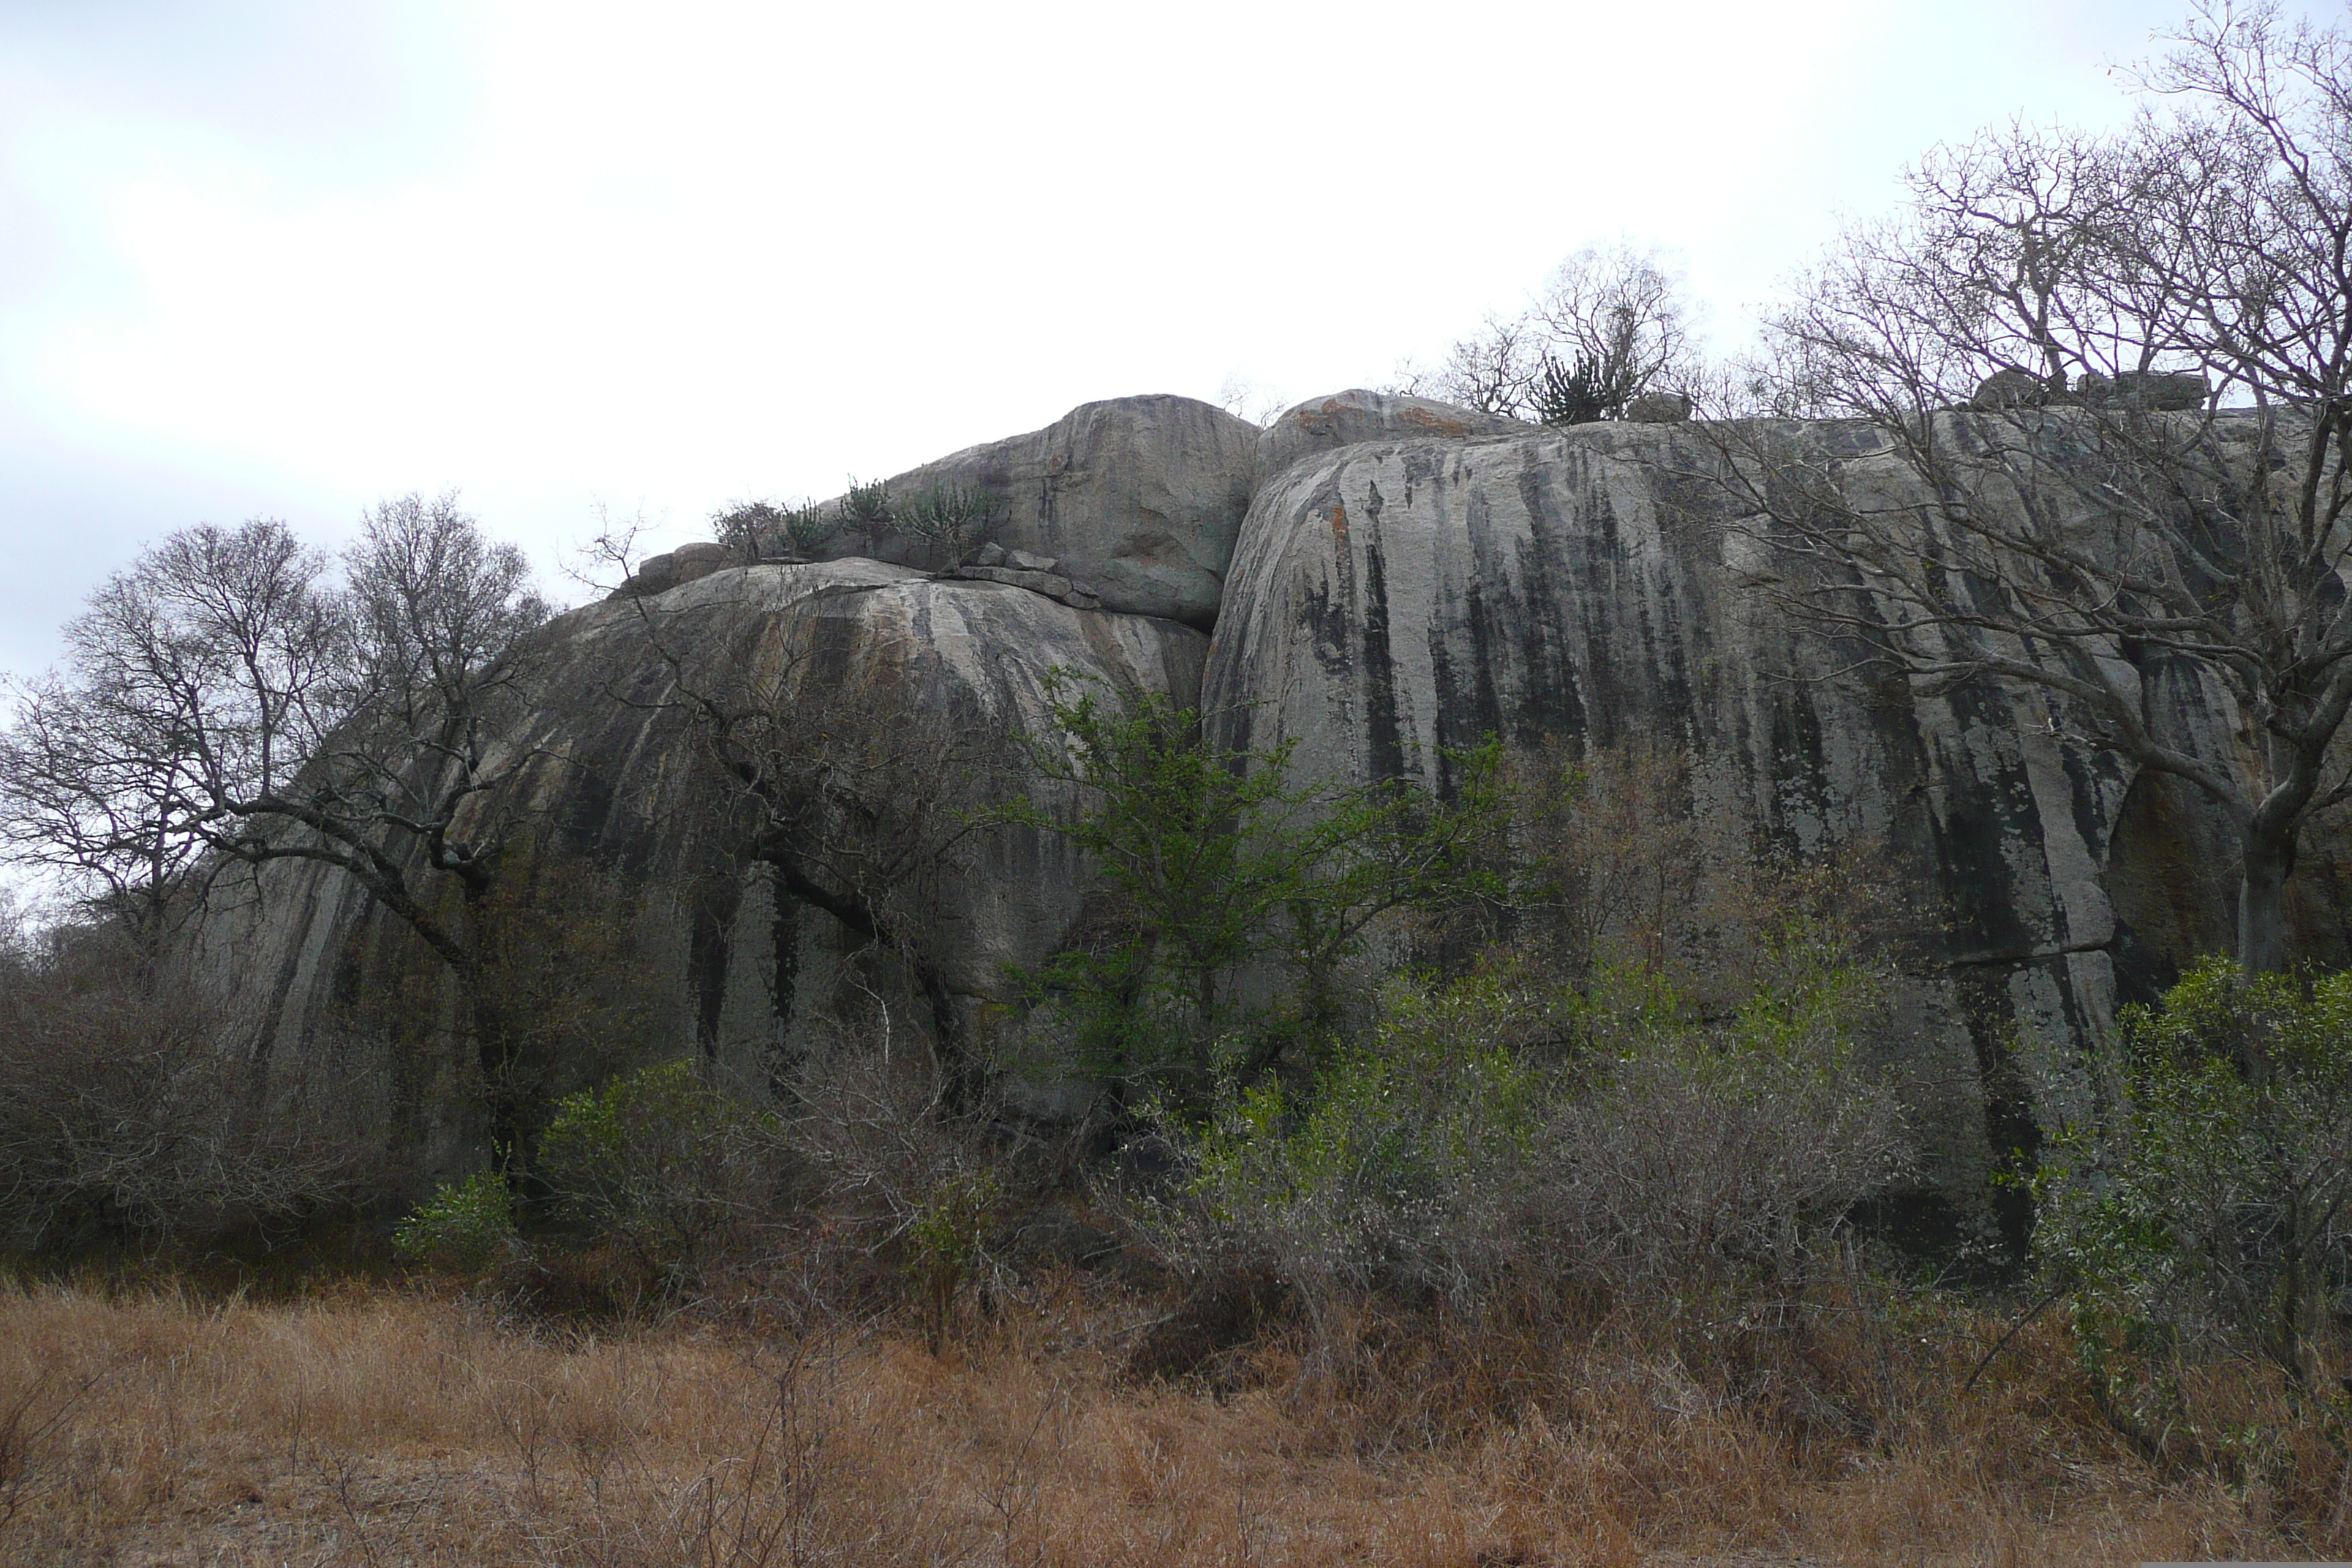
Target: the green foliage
(464, 1227)
(807, 526)
(748, 528)
(866, 506)
(945, 1237)
(657, 1161)
(1217, 861)
(1579, 393)
(1381, 1160)
(1609, 1133)
(2204, 1207)
(954, 517)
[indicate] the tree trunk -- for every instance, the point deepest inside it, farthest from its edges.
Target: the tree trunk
(2261, 905)
(494, 1051)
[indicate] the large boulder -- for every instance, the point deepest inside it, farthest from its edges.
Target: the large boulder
(1391, 599)
(1138, 499)
(1346, 419)
(660, 573)
(617, 801)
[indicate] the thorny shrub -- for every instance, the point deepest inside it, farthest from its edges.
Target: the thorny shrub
(128, 1111)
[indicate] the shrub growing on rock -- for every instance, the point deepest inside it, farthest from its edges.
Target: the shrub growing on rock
(954, 520)
(866, 506)
(744, 527)
(754, 529)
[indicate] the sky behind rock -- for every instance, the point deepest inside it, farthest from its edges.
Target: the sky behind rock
(284, 259)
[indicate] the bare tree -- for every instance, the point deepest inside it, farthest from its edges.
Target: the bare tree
(208, 673)
(1609, 325)
(223, 703)
(1493, 371)
(2031, 504)
(1611, 321)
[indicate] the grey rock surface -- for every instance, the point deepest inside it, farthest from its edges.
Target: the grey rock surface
(732, 963)
(2171, 392)
(1658, 408)
(1140, 496)
(1393, 599)
(1409, 577)
(1037, 582)
(2009, 389)
(1344, 418)
(660, 574)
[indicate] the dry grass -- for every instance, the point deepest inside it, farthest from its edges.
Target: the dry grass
(380, 1427)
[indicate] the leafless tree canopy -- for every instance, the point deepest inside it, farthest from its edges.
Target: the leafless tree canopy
(1610, 324)
(2076, 529)
(228, 702)
(202, 678)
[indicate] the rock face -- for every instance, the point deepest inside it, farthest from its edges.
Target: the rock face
(1346, 418)
(1409, 578)
(725, 959)
(1137, 499)
(660, 573)
(2009, 389)
(2172, 392)
(1394, 598)
(1658, 408)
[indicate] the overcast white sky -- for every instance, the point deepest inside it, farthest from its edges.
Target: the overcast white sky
(283, 259)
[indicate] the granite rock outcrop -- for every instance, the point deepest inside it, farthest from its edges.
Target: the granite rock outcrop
(1348, 418)
(729, 961)
(1137, 500)
(1395, 598)
(1387, 578)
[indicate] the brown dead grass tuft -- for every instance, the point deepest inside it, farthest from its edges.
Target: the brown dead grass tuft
(374, 1427)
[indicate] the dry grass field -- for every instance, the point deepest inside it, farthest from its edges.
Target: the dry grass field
(374, 1426)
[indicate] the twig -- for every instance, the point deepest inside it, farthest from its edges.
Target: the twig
(2014, 1330)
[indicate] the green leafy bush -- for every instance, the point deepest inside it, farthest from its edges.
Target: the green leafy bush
(1398, 1162)
(465, 1227)
(657, 1161)
(1609, 1134)
(945, 1237)
(1220, 863)
(2206, 1209)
